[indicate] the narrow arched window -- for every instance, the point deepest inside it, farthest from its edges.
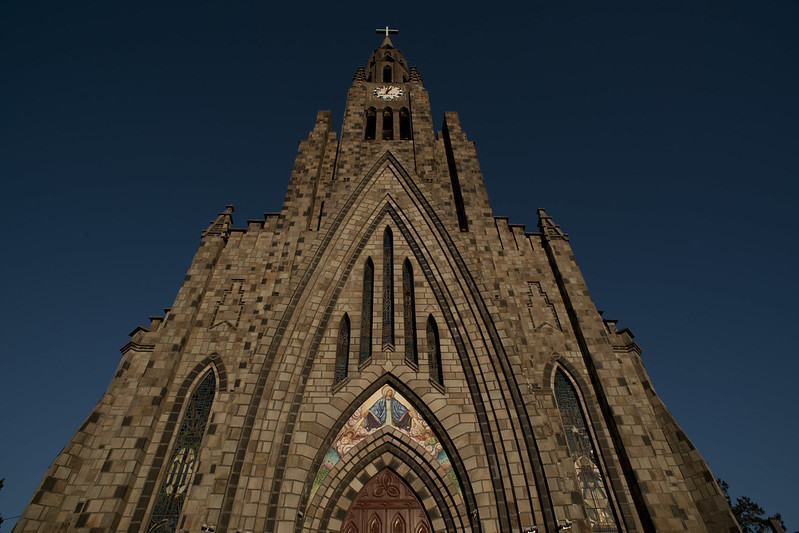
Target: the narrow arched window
(183, 461)
(405, 124)
(343, 349)
(409, 313)
(434, 351)
(370, 130)
(388, 289)
(387, 73)
(366, 310)
(388, 124)
(584, 456)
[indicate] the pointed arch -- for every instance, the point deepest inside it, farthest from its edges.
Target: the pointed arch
(584, 453)
(447, 488)
(405, 124)
(384, 409)
(342, 349)
(212, 363)
(370, 128)
(399, 222)
(525, 439)
(446, 510)
(183, 460)
(388, 289)
(409, 313)
(387, 74)
(388, 124)
(367, 310)
(434, 352)
(398, 524)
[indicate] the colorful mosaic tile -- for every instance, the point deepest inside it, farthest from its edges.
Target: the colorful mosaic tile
(384, 408)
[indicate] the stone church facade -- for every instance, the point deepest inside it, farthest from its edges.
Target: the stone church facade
(383, 354)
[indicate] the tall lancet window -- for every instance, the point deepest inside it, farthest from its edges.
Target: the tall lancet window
(370, 129)
(366, 310)
(405, 124)
(387, 74)
(388, 289)
(434, 351)
(343, 349)
(183, 461)
(388, 124)
(586, 463)
(409, 313)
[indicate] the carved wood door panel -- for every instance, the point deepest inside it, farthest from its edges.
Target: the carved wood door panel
(386, 505)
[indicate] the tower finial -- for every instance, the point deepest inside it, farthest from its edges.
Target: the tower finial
(387, 31)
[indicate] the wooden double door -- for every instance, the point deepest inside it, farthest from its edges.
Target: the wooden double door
(386, 505)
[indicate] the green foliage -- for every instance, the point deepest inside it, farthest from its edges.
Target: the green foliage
(749, 514)
(725, 489)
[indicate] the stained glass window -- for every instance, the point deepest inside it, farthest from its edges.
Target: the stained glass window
(343, 348)
(183, 460)
(409, 313)
(434, 351)
(366, 311)
(388, 288)
(586, 463)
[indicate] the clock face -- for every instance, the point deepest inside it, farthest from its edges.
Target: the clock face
(387, 92)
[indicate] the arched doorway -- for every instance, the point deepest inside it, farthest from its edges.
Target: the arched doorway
(386, 505)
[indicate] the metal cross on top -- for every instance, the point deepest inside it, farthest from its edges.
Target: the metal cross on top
(386, 30)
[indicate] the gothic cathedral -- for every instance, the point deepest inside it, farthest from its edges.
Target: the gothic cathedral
(382, 355)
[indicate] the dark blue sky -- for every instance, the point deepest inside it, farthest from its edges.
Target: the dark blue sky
(662, 136)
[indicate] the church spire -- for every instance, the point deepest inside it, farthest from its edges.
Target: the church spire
(387, 64)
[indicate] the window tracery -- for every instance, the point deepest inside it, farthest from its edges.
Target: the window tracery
(183, 461)
(584, 456)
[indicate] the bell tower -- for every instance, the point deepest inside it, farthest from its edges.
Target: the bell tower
(388, 116)
(387, 64)
(388, 108)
